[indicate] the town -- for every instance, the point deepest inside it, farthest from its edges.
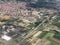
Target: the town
(22, 25)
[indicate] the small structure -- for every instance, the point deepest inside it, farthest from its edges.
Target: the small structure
(5, 37)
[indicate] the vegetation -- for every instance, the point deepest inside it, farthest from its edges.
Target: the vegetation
(37, 23)
(43, 34)
(31, 25)
(56, 22)
(53, 43)
(11, 21)
(57, 36)
(48, 35)
(41, 28)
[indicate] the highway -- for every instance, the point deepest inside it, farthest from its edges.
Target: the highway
(31, 32)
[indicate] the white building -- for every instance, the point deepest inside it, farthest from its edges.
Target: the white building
(5, 37)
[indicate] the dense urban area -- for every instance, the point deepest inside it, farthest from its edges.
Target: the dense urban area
(29, 22)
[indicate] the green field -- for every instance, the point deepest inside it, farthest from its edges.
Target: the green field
(53, 42)
(57, 36)
(42, 35)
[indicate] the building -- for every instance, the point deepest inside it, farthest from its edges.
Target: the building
(5, 37)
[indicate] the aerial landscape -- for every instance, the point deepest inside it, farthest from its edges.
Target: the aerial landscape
(29, 22)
